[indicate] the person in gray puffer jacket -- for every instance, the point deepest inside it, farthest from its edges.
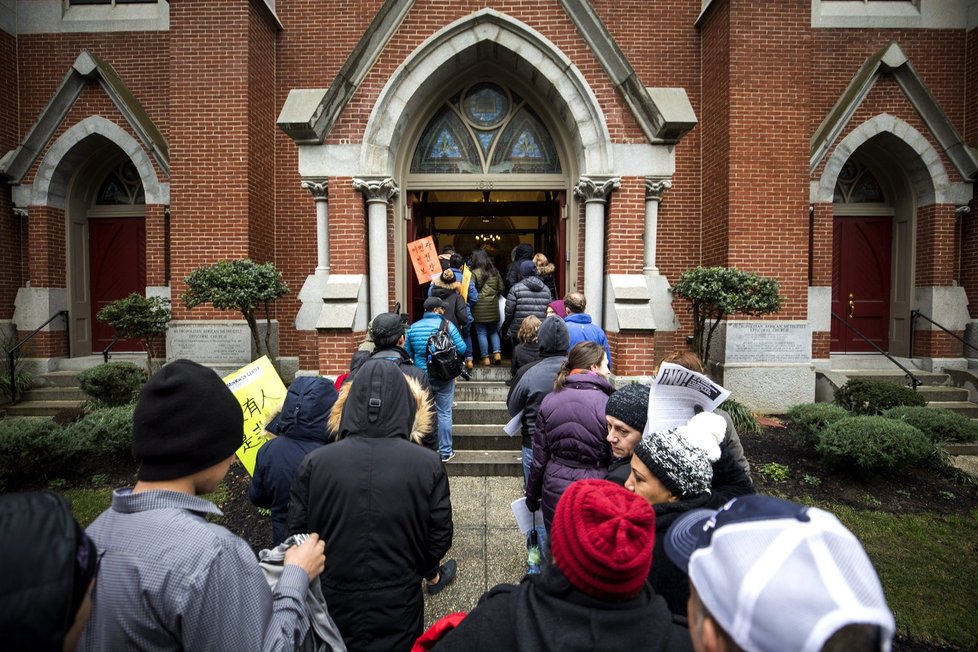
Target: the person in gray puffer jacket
(528, 297)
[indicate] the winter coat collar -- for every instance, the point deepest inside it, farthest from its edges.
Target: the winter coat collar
(578, 318)
(438, 283)
(534, 283)
(589, 381)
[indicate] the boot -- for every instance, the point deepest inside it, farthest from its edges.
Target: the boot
(497, 358)
(468, 363)
(485, 362)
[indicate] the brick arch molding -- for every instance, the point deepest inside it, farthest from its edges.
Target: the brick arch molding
(460, 46)
(927, 174)
(64, 155)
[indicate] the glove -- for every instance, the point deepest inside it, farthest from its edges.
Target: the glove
(533, 504)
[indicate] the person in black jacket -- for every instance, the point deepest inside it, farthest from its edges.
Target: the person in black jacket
(520, 253)
(49, 569)
(382, 504)
(528, 297)
(449, 290)
(593, 597)
(299, 429)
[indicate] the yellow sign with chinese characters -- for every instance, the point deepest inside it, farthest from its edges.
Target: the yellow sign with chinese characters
(260, 392)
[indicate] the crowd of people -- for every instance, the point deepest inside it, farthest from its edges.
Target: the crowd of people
(651, 540)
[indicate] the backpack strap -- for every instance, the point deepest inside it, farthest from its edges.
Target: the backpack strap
(444, 325)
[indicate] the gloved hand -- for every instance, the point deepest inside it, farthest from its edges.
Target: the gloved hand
(533, 504)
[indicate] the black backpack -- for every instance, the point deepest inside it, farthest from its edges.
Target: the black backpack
(444, 362)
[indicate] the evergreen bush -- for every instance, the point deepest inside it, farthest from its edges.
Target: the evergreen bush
(809, 420)
(32, 450)
(864, 396)
(105, 433)
(873, 443)
(743, 419)
(112, 384)
(136, 316)
(940, 425)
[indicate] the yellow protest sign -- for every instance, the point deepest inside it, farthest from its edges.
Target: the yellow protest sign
(466, 278)
(260, 392)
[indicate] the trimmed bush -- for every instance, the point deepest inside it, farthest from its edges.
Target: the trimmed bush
(869, 397)
(743, 419)
(873, 443)
(809, 419)
(940, 425)
(32, 451)
(113, 384)
(105, 433)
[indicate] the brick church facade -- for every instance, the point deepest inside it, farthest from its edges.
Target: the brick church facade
(827, 143)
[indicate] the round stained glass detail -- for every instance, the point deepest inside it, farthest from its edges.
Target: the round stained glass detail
(486, 105)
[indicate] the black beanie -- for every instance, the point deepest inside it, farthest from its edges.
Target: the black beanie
(630, 404)
(186, 420)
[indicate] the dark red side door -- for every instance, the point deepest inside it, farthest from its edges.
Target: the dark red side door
(861, 249)
(117, 259)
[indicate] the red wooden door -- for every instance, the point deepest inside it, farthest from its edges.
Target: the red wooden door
(861, 282)
(117, 259)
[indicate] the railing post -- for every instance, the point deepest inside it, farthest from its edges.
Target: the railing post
(64, 313)
(913, 327)
(13, 379)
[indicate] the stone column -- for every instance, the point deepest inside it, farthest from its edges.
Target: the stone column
(377, 192)
(655, 188)
(595, 193)
(319, 189)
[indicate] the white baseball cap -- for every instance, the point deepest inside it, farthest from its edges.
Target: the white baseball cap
(779, 576)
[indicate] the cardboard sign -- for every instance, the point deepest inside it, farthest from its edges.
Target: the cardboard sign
(466, 279)
(260, 392)
(424, 257)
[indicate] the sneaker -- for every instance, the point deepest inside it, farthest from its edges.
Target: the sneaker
(446, 573)
(449, 458)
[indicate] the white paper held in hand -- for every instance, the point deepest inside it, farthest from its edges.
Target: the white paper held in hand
(524, 518)
(515, 425)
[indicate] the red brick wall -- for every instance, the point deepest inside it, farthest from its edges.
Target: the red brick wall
(770, 46)
(969, 257)
(335, 348)
(970, 131)
(156, 254)
(210, 193)
(936, 344)
(821, 256)
(633, 354)
(46, 233)
(262, 112)
(935, 245)
(715, 119)
(624, 225)
(11, 227)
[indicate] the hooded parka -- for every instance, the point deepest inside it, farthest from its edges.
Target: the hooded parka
(528, 297)
(535, 380)
(381, 503)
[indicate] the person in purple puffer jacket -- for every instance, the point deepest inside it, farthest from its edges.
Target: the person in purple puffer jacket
(569, 442)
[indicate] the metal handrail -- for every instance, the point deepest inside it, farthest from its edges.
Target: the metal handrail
(105, 351)
(914, 381)
(913, 326)
(11, 352)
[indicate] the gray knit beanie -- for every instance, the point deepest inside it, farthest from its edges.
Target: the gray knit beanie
(682, 467)
(630, 404)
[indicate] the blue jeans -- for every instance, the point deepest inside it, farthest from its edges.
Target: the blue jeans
(543, 539)
(488, 338)
(444, 393)
(466, 332)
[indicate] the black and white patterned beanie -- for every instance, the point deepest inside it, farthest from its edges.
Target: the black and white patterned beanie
(682, 458)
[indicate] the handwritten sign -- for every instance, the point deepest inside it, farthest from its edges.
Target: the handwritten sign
(466, 279)
(424, 257)
(260, 392)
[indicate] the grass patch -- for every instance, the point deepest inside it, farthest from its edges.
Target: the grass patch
(927, 564)
(87, 504)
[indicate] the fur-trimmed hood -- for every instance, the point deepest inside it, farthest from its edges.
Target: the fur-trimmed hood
(438, 283)
(543, 270)
(386, 403)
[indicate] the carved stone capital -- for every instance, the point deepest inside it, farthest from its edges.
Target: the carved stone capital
(20, 211)
(596, 190)
(656, 187)
(376, 190)
(318, 188)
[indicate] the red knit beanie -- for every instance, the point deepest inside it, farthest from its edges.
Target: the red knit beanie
(602, 539)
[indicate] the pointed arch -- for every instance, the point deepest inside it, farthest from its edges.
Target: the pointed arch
(68, 151)
(487, 34)
(922, 163)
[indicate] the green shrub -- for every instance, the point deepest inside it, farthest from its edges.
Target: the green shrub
(743, 419)
(940, 425)
(140, 317)
(865, 396)
(873, 443)
(105, 433)
(774, 472)
(32, 451)
(809, 419)
(113, 384)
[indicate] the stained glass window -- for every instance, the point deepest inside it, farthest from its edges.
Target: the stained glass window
(857, 185)
(481, 124)
(121, 185)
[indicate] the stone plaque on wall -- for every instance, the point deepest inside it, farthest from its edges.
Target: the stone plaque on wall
(768, 341)
(209, 341)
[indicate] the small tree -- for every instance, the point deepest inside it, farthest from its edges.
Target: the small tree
(241, 285)
(139, 317)
(716, 292)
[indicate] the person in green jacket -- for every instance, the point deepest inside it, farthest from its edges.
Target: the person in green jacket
(485, 313)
